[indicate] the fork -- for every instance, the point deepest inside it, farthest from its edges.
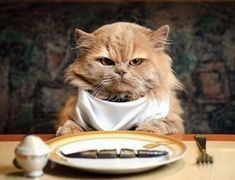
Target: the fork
(203, 157)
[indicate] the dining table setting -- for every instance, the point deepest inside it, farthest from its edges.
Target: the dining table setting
(117, 155)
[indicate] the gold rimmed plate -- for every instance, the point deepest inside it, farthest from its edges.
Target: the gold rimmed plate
(115, 140)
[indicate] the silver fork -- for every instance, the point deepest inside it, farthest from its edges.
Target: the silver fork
(203, 157)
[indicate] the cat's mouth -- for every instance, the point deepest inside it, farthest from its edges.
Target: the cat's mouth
(122, 81)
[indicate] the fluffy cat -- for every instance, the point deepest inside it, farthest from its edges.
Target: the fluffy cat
(124, 62)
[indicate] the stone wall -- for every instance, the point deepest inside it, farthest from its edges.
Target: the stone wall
(35, 49)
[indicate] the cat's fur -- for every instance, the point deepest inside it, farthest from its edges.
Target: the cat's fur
(153, 78)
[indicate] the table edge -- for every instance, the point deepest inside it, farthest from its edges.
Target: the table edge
(182, 137)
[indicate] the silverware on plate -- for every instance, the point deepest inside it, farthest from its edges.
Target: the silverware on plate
(203, 157)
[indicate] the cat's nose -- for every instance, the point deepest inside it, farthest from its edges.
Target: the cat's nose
(120, 72)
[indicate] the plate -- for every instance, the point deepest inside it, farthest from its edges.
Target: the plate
(115, 140)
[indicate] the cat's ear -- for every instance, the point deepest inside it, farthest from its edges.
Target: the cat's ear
(159, 37)
(81, 39)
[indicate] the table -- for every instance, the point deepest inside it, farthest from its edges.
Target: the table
(222, 147)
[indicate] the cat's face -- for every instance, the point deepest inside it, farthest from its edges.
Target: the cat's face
(121, 59)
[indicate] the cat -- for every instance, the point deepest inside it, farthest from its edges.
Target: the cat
(120, 63)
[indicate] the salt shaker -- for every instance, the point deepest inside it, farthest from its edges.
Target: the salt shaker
(32, 155)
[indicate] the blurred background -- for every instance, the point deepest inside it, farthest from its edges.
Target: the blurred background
(35, 50)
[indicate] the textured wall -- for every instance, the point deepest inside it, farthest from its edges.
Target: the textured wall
(35, 49)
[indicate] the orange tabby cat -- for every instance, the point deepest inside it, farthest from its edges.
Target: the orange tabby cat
(123, 62)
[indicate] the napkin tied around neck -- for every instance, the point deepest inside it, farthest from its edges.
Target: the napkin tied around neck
(97, 114)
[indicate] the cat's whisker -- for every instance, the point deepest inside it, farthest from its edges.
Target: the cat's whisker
(76, 47)
(149, 85)
(116, 98)
(168, 40)
(135, 81)
(97, 90)
(168, 43)
(165, 41)
(102, 86)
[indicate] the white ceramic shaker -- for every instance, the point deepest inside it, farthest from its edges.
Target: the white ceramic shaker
(32, 155)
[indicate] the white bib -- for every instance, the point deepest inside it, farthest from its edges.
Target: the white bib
(96, 114)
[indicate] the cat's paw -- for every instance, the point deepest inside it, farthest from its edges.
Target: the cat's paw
(150, 127)
(162, 126)
(69, 127)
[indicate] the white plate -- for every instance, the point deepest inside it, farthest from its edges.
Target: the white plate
(114, 140)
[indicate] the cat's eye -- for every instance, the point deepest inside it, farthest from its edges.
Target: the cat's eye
(106, 61)
(136, 61)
